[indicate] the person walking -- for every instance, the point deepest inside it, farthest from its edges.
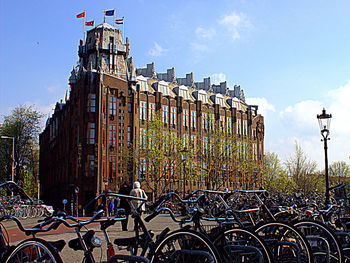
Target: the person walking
(138, 192)
(125, 190)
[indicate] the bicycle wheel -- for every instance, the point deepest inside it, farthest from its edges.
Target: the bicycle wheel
(286, 242)
(186, 240)
(239, 245)
(34, 250)
(324, 243)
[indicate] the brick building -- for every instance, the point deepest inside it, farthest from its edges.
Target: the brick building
(103, 133)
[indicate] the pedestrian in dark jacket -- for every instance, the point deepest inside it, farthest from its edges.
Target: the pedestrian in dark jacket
(125, 190)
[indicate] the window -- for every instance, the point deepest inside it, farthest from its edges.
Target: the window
(211, 145)
(205, 145)
(186, 140)
(229, 124)
(204, 121)
(165, 168)
(163, 89)
(173, 141)
(113, 105)
(165, 117)
(142, 137)
(254, 151)
(90, 166)
(142, 166)
(193, 119)
(143, 86)
(211, 121)
(151, 111)
(91, 133)
(129, 135)
(186, 118)
(112, 166)
(91, 107)
(238, 127)
(129, 107)
(151, 138)
(194, 141)
(222, 123)
(173, 115)
(244, 127)
(143, 106)
(112, 135)
(173, 169)
(184, 93)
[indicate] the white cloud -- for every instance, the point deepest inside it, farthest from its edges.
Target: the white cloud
(340, 109)
(235, 23)
(301, 117)
(264, 107)
(156, 50)
(216, 78)
(199, 47)
(299, 123)
(205, 33)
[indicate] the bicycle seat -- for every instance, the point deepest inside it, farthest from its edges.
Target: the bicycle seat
(59, 245)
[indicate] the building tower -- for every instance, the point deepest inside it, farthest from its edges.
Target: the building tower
(86, 135)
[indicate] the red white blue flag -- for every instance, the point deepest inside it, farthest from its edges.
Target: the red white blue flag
(119, 21)
(90, 23)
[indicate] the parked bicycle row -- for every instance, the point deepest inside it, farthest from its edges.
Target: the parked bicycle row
(245, 226)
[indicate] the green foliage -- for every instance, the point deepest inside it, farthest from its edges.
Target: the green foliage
(24, 125)
(339, 169)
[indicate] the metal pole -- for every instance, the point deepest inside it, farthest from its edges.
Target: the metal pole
(13, 159)
(184, 178)
(326, 170)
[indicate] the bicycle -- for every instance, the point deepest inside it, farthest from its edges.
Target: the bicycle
(234, 244)
(29, 250)
(177, 246)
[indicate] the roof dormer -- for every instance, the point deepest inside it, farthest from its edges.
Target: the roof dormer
(201, 95)
(218, 99)
(142, 81)
(162, 86)
(182, 91)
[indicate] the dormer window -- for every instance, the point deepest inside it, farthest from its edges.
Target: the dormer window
(163, 89)
(184, 93)
(143, 86)
(221, 102)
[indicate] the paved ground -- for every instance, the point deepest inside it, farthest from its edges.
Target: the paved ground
(68, 255)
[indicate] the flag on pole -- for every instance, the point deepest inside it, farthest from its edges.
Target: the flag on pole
(90, 23)
(109, 13)
(119, 21)
(81, 15)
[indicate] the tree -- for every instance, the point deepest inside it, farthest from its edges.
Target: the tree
(340, 170)
(24, 125)
(156, 156)
(300, 169)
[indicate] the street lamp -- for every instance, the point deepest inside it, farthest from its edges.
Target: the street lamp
(184, 154)
(324, 120)
(13, 154)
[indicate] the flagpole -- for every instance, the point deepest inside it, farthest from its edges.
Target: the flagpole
(114, 23)
(123, 31)
(84, 26)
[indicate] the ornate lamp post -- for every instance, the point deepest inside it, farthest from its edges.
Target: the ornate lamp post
(13, 154)
(324, 120)
(184, 154)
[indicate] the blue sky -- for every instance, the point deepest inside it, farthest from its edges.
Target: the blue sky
(290, 57)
